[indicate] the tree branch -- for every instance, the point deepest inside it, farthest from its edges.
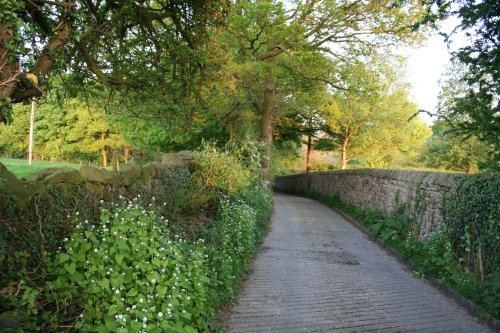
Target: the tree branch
(94, 68)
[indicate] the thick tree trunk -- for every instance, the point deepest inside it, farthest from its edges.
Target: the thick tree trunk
(266, 121)
(308, 154)
(10, 86)
(104, 153)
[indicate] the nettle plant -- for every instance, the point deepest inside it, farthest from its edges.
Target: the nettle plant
(127, 274)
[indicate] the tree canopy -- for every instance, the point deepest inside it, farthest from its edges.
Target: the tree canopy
(150, 45)
(478, 106)
(163, 75)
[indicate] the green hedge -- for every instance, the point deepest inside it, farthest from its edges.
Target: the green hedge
(145, 262)
(472, 217)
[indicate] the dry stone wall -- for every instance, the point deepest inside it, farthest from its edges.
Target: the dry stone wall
(421, 193)
(18, 193)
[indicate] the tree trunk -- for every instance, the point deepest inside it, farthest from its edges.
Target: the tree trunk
(158, 154)
(345, 146)
(114, 161)
(308, 154)
(231, 133)
(126, 154)
(104, 152)
(470, 167)
(10, 85)
(266, 121)
(10, 69)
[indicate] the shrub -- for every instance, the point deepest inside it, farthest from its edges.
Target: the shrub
(215, 173)
(121, 267)
(89, 271)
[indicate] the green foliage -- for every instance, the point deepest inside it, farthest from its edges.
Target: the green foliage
(139, 258)
(71, 131)
(317, 166)
(479, 107)
(40, 229)
(369, 120)
(14, 136)
(216, 172)
(450, 151)
(457, 142)
(128, 274)
(285, 158)
(471, 216)
(475, 111)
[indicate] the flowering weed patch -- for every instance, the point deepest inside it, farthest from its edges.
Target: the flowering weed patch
(129, 274)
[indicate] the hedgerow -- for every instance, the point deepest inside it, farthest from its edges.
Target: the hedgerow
(142, 263)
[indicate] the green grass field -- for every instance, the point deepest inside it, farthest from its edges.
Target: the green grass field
(20, 168)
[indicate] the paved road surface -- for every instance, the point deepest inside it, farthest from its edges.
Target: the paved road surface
(317, 273)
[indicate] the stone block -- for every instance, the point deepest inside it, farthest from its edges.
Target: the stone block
(95, 188)
(96, 175)
(71, 176)
(178, 160)
(12, 187)
(153, 168)
(125, 180)
(36, 187)
(11, 321)
(132, 169)
(145, 178)
(44, 173)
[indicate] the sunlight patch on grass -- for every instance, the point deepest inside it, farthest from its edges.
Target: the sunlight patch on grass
(21, 169)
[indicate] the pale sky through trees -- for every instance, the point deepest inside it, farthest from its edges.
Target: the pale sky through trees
(427, 64)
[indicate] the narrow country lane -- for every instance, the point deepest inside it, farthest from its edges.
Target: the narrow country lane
(317, 273)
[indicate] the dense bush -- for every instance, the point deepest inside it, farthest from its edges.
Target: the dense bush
(146, 263)
(128, 274)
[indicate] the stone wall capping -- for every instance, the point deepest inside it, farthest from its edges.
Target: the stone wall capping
(93, 179)
(98, 175)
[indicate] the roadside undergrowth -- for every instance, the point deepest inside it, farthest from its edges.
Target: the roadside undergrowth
(159, 261)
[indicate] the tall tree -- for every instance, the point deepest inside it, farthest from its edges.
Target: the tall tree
(269, 32)
(369, 120)
(478, 108)
(453, 146)
(447, 150)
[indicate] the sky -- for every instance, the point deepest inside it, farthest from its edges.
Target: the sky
(427, 64)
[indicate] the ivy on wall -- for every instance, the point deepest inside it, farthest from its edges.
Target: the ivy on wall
(471, 214)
